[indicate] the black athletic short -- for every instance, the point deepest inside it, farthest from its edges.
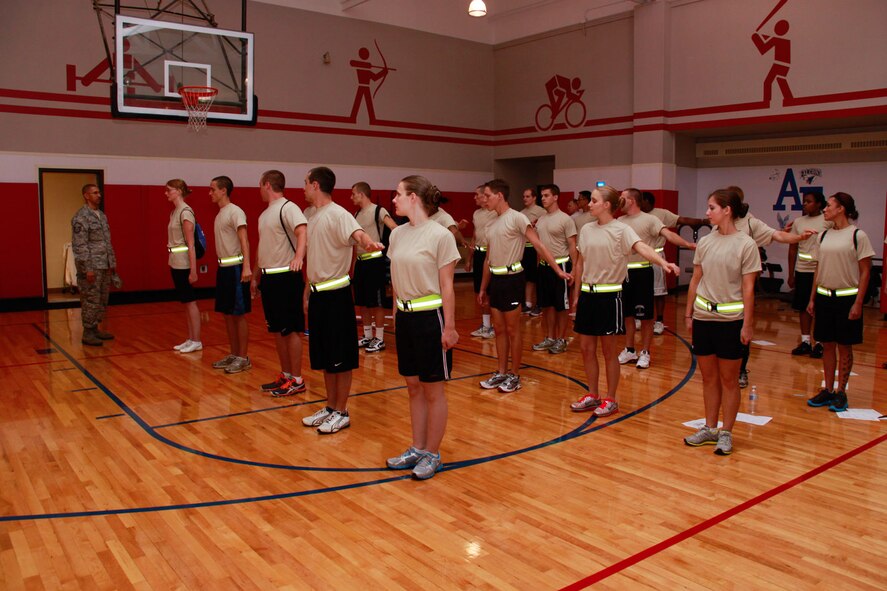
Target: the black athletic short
(332, 346)
(832, 324)
(529, 262)
(477, 268)
(638, 293)
(551, 290)
(369, 282)
(600, 314)
(184, 290)
(232, 295)
(803, 288)
(419, 351)
(282, 295)
(507, 291)
(721, 339)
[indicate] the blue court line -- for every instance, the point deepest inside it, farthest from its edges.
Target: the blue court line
(577, 432)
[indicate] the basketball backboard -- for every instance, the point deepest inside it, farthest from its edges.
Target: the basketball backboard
(156, 58)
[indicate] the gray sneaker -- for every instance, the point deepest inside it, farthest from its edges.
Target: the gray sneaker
(238, 365)
(375, 345)
(479, 332)
(494, 381)
(559, 346)
(544, 345)
(725, 443)
(490, 333)
(335, 422)
(428, 464)
(705, 436)
(743, 379)
(407, 459)
(223, 363)
(317, 418)
(511, 384)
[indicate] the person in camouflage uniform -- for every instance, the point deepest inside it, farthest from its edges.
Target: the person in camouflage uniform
(96, 263)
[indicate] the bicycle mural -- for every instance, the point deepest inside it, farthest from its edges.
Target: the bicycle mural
(564, 98)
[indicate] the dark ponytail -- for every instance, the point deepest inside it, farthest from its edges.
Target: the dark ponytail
(849, 205)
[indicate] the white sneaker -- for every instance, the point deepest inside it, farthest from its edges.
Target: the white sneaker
(490, 333)
(180, 345)
(191, 347)
(658, 327)
(643, 360)
(335, 422)
(479, 332)
(317, 418)
(627, 356)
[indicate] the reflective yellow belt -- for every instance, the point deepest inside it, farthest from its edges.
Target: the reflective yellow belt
(837, 293)
(805, 256)
(275, 270)
(231, 261)
(331, 284)
(558, 260)
(480, 248)
(528, 245)
(724, 308)
(369, 255)
(429, 302)
(660, 249)
(182, 248)
(507, 269)
(640, 265)
(601, 287)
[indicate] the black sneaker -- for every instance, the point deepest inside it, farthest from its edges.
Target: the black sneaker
(803, 349)
(816, 353)
(839, 402)
(824, 398)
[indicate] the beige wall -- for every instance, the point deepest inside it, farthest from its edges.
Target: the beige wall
(61, 200)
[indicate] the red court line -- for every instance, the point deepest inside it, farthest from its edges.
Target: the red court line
(708, 523)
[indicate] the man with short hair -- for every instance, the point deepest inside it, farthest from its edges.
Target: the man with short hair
(583, 215)
(669, 219)
(95, 261)
(233, 275)
(281, 255)
(558, 233)
(530, 260)
(504, 280)
(369, 269)
(332, 233)
(638, 288)
(481, 219)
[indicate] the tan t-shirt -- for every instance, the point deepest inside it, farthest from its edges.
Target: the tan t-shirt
(724, 260)
(329, 243)
(175, 237)
(605, 250)
(228, 220)
(443, 218)
(417, 254)
(482, 219)
(533, 213)
(507, 235)
(838, 259)
(583, 218)
(808, 246)
(668, 218)
(647, 227)
(366, 217)
(309, 212)
(274, 248)
(554, 230)
(760, 232)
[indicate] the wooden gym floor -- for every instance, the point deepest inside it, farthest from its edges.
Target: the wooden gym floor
(134, 467)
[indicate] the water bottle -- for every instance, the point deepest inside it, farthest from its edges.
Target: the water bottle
(752, 398)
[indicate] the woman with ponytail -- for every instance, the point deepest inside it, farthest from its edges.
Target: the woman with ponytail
(423, 261)
(183, 260)
(844, 265)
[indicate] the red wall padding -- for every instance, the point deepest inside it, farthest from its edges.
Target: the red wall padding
(22, 275)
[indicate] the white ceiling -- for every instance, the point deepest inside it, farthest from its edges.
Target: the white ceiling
(506, 20)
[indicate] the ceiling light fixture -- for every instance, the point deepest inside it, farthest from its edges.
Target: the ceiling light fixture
(477, 8)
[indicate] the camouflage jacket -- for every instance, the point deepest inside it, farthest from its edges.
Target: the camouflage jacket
(91, 241)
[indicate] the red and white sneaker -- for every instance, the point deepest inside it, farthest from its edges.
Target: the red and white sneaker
(608, 406)
(587, 402)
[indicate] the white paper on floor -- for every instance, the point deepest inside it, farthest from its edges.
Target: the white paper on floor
(741, 418)
(860, 414)
(764, 343)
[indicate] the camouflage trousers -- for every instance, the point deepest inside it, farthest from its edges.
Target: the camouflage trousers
(94, 297)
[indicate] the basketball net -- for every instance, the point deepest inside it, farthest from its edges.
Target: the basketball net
(197, 101)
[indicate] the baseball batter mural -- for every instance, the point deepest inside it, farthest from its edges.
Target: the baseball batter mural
(782, 54)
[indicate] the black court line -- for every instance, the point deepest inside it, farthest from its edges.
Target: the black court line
(82, 389)
(581, 430)
(110, 416)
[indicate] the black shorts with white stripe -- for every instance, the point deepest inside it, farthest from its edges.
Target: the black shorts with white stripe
(419, 350)
(599, 314)
(551, 290)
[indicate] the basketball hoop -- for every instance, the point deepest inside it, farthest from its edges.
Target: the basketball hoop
(197, 101)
